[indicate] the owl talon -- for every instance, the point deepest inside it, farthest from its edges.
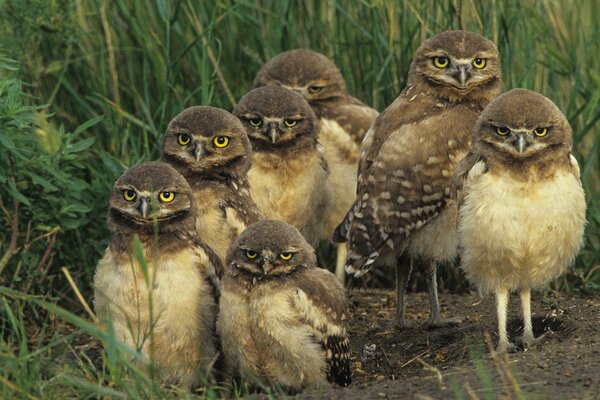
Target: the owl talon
(442, 323)
(506, 348)
(529, 342)
(403, 324)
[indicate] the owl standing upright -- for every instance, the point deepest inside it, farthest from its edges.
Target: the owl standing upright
(343, 122)
(404, 203)
(289, 174)
(164, 304)
(282, 319)
(210, 148)
(522, 216)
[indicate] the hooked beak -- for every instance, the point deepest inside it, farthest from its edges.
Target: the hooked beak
(521, 143)
(460, 74)
(273, 133)
(267, 266)
(198, 151)
(144, 206)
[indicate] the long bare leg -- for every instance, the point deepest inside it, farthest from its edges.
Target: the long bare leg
(342, 253)
(403, 269)
(527, 325)
(435, 320)
(502, 309)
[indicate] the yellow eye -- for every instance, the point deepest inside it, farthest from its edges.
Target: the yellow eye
(251, 254)
(502, 131)
(286, 255)
(129, 195)
(441, 62)
(255, 121)
(315, 89)
(290, 122)
(183, 139)
(221, 141)
(540, 132)
(479, 63)
(166, 197)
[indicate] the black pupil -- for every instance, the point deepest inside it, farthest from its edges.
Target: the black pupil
(129, 193)
(220, 140)
(315, 88)
(166, 194)
(255, 121)
(478, 60)
(184, 138)
(442, 60)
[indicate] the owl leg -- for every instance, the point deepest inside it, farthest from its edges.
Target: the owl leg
(403, 269)
(502, 308)
(527, 340)
(342, 253)
(435, 320)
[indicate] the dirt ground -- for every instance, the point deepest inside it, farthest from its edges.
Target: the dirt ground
(456, 362)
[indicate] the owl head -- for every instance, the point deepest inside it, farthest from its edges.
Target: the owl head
(457, 65)
(522, 125)
(205, 141)
(276, 117)
(270, 248)
(150, 197)
(309, 73)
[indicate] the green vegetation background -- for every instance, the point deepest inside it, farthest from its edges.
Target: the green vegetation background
(87, 88)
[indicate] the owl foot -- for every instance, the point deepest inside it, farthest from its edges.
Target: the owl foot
(435, 323)
(526, 343)
(403, 324)
(506, 348)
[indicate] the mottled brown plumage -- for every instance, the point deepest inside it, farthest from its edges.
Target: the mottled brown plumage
(289, 174)
(210, 148)
(409, 157)
(522, 215)
(165, 304)
(282, 319)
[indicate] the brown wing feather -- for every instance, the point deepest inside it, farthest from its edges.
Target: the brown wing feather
(352, 115)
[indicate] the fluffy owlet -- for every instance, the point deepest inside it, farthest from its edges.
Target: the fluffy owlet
(289, 175)
(343, 122)
(164, 306)
(522, 216)
(210, 148)
(403, 199)
(282, 319)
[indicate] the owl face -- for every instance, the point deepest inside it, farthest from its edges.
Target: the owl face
(270, 248)
(148, 194)
(457, 61)
(311, 74)
(521, 124)
(203, 139)
(275, 116)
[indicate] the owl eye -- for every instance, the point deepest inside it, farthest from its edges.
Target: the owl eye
(183, 139)
(290, 123)
(441, 62)
(255, 121)
(250, 254)
(502, 131)
(479, 63)
(129, 195)
(540, 132)
(315, 89)
(166, 197)
(221, 141)
(286, 255)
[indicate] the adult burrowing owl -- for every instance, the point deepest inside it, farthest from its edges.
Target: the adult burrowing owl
(522, 217)
(210, 148)
(282, 319)
(403, 202)
(163, 304)
(343, 122)
(289, 175)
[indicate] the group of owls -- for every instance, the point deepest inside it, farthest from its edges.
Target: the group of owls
(212, 265)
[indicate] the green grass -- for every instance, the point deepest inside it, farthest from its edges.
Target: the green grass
(94, 84)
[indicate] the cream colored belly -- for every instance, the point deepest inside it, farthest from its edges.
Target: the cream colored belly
(520, 234)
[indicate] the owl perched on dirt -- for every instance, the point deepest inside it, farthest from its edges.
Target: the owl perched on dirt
(163, 305)
(282, 319)
(289, 175)
(522, 217)
(403, 202)
(210, 148)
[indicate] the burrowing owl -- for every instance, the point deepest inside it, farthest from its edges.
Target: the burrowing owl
(522, 217)
(403, 202)
(210, 148)
(289, 175)
(282, 319)
(343, 121)
(164, 304)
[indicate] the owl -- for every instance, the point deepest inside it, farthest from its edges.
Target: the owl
(162, 303)
(343, 121)
(282, 319)
(289, 174)
(404, 202)
(522, 212)
(210, 148)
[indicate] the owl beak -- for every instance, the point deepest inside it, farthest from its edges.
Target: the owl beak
(144, 206)
(461, 74)
(267, 266)
(273, 133)
(198, 151)
(521, 142)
